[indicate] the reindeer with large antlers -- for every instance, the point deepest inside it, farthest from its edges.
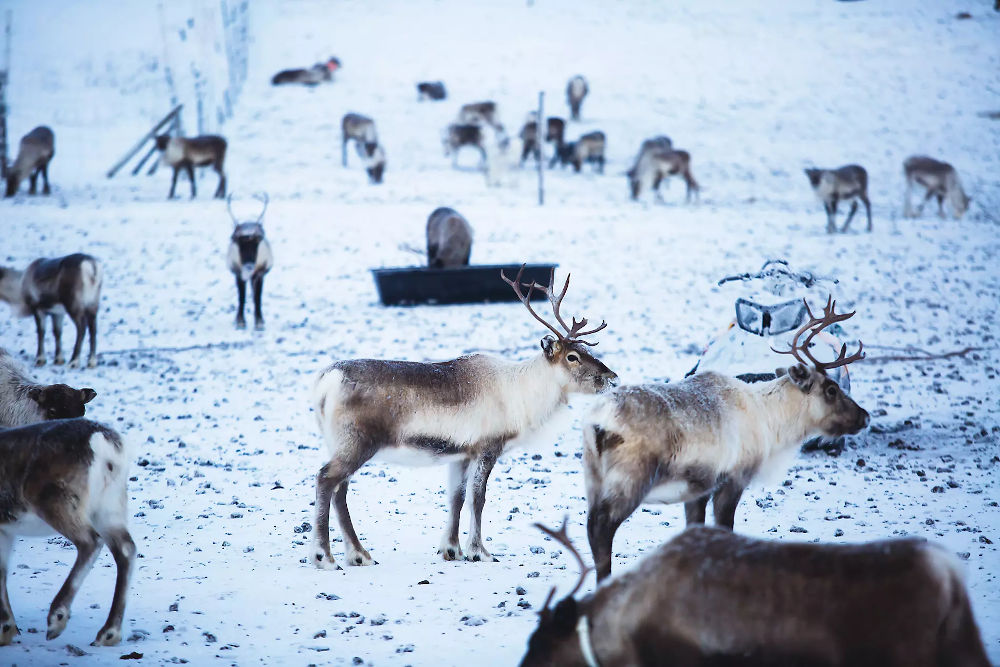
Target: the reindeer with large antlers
(249, 257)
(466, 412)
(707, 437)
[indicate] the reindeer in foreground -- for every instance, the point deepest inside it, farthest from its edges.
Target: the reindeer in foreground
(465, 411)
(655, 165)
(941, 181)
(707, 436)
(24, 401)
(359, 129)
(249, 258)
(56, 287)
(431, 90)
(710, 597)
(33, 157)
(833, 185)
(588, 148)
(576, 90)
(312, 76)
(449, 239)
(66, 476)
(188, 153)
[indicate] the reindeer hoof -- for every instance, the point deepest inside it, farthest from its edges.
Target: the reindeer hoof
(259, 326)
(7, 633)
(74, 362)
(478, 554)
(58, 618)
(39, 361)
(60, 360)
(451, 552)
(324, 562)
(360, 558)
(241, 324)
(92, 362)
(108, 637)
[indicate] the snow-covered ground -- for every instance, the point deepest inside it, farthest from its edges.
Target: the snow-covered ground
(226, 446)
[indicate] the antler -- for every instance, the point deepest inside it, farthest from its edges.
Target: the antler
(574, 331)
(562, 538)
(815, 325)
(265, 199)
(229, 207)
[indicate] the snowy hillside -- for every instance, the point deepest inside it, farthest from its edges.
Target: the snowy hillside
(226, 446)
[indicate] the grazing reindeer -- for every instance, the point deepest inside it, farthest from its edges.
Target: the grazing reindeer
(33, 157)
(24, 401)
(554, 132)
(660, 142)
(833, 185)
(373, 156)
(941, 181)
(479, 113)
(464, 411)
(655, 165)
(709, 435)
(431, 90)
(249, 258)
(576, 90)
(57, 287)
(188, 153)
(588, 148)
(357, 128)
(66, 476)
(449, 239)
(316, 74)
(710, 597)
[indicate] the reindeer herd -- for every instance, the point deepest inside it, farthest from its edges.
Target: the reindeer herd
(707, 597)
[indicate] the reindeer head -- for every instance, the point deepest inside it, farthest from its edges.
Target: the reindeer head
(555, 641)
(247, 236)
(584, 372)
(814, 175)
(834, 412)
(60, 401)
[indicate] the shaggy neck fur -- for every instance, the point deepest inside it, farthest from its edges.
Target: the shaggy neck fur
(529, 392)
(16, 408)
(782, 416)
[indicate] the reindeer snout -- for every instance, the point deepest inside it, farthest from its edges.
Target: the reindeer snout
(610, 379)
(865, 420)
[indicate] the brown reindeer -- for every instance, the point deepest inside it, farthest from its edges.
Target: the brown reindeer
(707, 436)
(941, 181)
(312, 76)
(835, 185)
(449, 239)
(710, 598)
(69, 477)
(24, 401)
(555, 129)
(588, 148)
(359, 129)
(33, 157)
(655, 165)
(69, 285)
(466, 412)
(479, 113)
(189, 152)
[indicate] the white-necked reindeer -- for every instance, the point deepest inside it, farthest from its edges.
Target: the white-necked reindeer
(465, 412)
(941, 182)
(54, 288)
(576, 90)
(24, 401)
(189, 152)
(707, 436)
(710, 597)
(249, 258)
(67, 476)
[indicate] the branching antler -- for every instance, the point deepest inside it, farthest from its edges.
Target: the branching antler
(574, 331)
(259, 196)
(562, 538)
(814, 326)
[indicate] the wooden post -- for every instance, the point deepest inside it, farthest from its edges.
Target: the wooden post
(172, 116)
(539, 124)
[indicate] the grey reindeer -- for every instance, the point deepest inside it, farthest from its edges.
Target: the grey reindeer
(33, 157)
(832, 186)
(249, 258)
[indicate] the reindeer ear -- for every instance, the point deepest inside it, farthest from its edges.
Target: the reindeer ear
(780, 372)
(801, 376)
(565, 615)
(551, 346)
(87, 394)
(35, 394)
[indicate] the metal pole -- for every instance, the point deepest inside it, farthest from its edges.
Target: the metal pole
(538, 140)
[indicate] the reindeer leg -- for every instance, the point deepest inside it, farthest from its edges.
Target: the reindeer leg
(8, 628)
(88, 546)
(343, 151)
(724, 503)
(331, 485)
(850, 216)
(920, 208)
(940, 201)
(33, 179)
(40, 330)
(173, 183)
(257, 282)
(907, 205)
(603, 520)
(868, 210)
(92, 330)
(354, 553)
(831, 214)
(189, 167)
(80, 321)
(123, 549)
(694, 511)
(458, 478)
(57, 322)
(474, 549)
(46, 190)
(241, 291)
(220, 191)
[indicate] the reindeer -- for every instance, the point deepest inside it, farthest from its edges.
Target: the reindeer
(69, 477)
(316, 74)
(554, 132)
(357, 128)
(431, 90)
(708, 436)
(833, 185)
(449, 239)
(941, 181)
(56, 287)
(588, 148)
(479, 113)
(249, 258)
(660, 142)
(33, 157)
(24, 401)
(655, 165)
(576, 90)
(457, 135)
(188, 153)
(465, 411)
(373, 156)
(710, 597)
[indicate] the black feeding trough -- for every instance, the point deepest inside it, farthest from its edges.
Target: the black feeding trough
(413, 286)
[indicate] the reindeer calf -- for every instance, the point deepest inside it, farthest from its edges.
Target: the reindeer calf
(189, 152)
(449, 239)
(710, 597)
(359, 129)
(833, 185)
(56, 287)
(941, 181)
(576, 90)
(33, 157)
(67, 476)
(655, 165)
(24, 401)
(707, 436)
(588, 148)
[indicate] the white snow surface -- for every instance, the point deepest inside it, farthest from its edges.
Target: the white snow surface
(226, 447)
